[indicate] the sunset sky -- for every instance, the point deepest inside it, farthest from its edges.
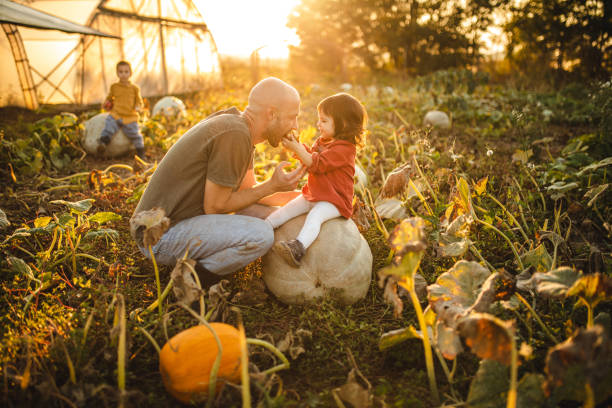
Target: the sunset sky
(241, 26)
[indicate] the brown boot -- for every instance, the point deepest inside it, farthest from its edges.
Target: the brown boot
(292, 251)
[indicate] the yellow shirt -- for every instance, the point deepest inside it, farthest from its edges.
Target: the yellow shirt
(125, 97)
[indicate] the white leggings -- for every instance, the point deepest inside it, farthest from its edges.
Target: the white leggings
(318, 213)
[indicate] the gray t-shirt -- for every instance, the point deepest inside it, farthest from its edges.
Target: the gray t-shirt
(218, 148)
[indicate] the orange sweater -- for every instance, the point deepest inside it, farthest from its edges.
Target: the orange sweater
(125, 97)
(330, 176)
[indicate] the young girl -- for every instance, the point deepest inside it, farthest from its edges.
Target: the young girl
(331, 167)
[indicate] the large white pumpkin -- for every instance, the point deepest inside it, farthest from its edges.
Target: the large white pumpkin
(169, 106)
(118, 146)
(437, 119)
(339, 259)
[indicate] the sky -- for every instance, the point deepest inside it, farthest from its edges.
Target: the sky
(241, 26)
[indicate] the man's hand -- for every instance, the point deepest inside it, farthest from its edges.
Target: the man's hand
(286, 181)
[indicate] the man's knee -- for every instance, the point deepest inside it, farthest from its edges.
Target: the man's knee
(264, 236)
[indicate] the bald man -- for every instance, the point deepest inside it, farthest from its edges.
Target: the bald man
(206, 184)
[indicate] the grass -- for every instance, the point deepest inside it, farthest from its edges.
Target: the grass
(70, 322)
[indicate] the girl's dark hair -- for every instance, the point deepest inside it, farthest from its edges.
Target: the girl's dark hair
(349, 116)
(120, 63)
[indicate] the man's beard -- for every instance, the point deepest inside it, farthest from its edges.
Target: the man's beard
(274, 134)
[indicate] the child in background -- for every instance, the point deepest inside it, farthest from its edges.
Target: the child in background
(331, 167)
(124, 102)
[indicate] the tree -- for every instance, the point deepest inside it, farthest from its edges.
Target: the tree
(567, 37)
(416, 36)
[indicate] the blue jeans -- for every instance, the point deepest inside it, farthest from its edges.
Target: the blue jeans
(221, 243)
(112, 126)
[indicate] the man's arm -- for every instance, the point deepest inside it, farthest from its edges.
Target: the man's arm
(276, 199)
(221, 200)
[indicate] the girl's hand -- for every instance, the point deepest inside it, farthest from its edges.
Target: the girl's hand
(291, 143)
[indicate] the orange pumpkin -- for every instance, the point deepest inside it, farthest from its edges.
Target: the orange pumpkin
(186, 360)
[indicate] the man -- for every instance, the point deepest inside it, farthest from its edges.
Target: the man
(206, 184)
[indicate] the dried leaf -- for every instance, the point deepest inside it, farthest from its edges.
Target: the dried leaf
(396, 181)
(148, 226)
(185, 287)
(390, 295)
(353, 393)
(361, 215)
(487, 336)
(391, 208)
(218, 295)
(294, 344)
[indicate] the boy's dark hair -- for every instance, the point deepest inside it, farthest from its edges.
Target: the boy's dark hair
(120, 63)
(349, 116)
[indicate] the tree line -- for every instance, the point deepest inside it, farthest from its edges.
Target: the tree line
(558, 39)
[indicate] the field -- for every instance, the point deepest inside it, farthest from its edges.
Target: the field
(506, 215)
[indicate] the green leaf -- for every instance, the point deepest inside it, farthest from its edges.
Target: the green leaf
(459, 285)
(408, 236)
(4, 222)
(530, 391)
(453, 249)
(103, 217)
(594, 166)
(562, 187)
(448, 341)
(394, 337)
(538, 258)
(464, 192)
(19, 266)
(594, 193)
(490, 386)
(66, 220)
(55, 154)
(586, 357)
(80, 207)
(555, 283)
(102, 233)
(42, 222)
(593, 288)
(17, 234)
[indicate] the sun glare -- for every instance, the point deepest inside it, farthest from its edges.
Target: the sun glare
(243, 26)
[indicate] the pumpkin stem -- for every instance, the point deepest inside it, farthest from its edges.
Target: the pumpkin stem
(275, 351)
(215, 367)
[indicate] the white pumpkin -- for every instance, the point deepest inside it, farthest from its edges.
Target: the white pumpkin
(437, 119)
(118, 146)
(169, 106)
(339, 259)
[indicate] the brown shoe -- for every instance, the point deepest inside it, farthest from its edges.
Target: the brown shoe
(292, 251)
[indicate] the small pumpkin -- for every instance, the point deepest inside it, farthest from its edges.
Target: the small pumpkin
(186, 360)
